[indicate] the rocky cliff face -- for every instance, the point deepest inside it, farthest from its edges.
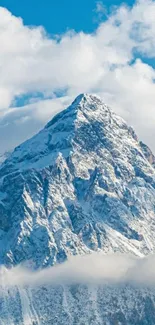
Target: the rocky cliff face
(82, 184)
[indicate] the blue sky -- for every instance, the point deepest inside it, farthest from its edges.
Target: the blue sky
(58, 15)
(111, 53)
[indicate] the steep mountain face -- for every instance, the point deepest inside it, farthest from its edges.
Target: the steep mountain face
(148, 153)
(82, 184)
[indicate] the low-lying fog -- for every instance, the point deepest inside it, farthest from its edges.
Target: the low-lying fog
(95, 268)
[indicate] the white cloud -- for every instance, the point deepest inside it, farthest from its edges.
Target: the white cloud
(20, 123)
(100, 11)
(104, 62)
(100, 8)
(95, 268)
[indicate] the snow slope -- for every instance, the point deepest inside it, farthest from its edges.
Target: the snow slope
(84, 183)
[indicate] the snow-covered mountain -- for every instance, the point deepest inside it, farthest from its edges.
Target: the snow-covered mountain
(4, 156)
(84, 183)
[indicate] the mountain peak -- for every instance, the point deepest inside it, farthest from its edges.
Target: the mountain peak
(85, 97)
(87, 102)
(86, 125)
(82, 103)
(82, 183)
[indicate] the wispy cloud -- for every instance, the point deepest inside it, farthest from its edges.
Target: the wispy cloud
(100, 11)
(100, 7)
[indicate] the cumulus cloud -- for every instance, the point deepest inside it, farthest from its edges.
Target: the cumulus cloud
(20, 123)
(114, 62)
(96, 268)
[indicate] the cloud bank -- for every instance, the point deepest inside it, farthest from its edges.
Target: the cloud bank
(45, 73)
(96, 269)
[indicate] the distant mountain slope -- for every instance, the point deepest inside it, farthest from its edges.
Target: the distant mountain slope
(4, 156)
